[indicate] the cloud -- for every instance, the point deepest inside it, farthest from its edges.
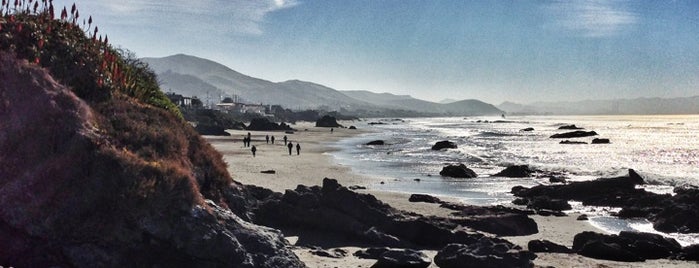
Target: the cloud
(592, 18)
(223, 17)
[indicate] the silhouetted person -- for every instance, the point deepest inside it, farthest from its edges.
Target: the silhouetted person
(267, 138)
(290, 145)
(253, 149)
(331, 130)
(298, 148)
(284, 139)
(245, 141)
(249, 136)
(272, 139)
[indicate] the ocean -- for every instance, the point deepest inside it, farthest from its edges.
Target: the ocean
(664, 149)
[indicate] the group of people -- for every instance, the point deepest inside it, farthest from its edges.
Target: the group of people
(253, 149)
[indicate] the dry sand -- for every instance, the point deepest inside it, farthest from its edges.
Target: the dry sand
(314, 163)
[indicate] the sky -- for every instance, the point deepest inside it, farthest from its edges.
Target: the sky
(495, 51)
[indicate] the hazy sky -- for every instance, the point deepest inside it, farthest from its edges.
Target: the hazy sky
(495, 51)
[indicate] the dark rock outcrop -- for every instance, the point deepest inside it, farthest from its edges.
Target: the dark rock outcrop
(574, 134)
(113, 183)
(212, 130)
(327, 121)
(484, 253)
(669, 213)
(352, 127)
(424, 198)
(405, 258)
(547, 246)
(336, 253)
(572, 142)
(444, 145)
(458, 171)
(570, 127)
(627, 246)
(263, 124)
(370, 253)
(516, 171)
(527, 129)
(376, 142)
(600, 141)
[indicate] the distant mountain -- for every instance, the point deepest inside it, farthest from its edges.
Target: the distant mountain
(463, 107)
(447, 101)
(193, 76)
(641, 106)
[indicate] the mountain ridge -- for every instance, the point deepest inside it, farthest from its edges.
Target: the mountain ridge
(640, 106)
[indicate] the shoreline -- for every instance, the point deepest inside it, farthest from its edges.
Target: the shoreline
(314, 163)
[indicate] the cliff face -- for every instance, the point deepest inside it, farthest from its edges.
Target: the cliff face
(114, 183)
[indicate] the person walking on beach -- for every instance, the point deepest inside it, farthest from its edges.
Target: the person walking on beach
(245, 141)
(298, 148)
(272, 139)
(253, 149)
(267, 138)
(284, 139)
(290, 145)
(331, 130)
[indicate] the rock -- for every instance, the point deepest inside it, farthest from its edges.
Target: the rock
(527, 129)
(289, 132)
(516, 171)
(380, 238)
(352, 127)
(377, 123)
(211, 130)
(544, 202)
(574, 134)
(424, 198)
(263, 124)
(444, 145)
(582, 217)
(600, 141)
(572, 142)
(371, 253)
(336, 253)
(268, 172)
(356, 187)
(483, 254)
(627, 246)
(406, 258)
(570, 127)
(548, 212)
(457, 171)
(554, 179)
(327, 121)
(690, 253)
(376, 142)
(547, 246)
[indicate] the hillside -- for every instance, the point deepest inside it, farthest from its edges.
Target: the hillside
(191, 75)
(97, 167)
(638, 106)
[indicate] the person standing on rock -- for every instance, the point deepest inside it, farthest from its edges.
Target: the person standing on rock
(272, 139)
(253, 149)
(267, 138)
(290, 145)
(284, 139)
(298, 148)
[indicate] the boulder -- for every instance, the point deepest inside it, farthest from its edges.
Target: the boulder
(457, 171)
(211, 130)
(600, 141)
(270, 171)
(573, 134)
(570, 127)
(405, 258)
(423, 198)
(263, 124)
(527, 129)
(516, 171)
(336, 253)
(352, 127)
(690, 253)
(484, 253)
(544, 202)
(444, 145)
(582, 217)
(370, 253)
(547, 246)
(327, 121)
(556, 179)
(376, 142)
(627, 246)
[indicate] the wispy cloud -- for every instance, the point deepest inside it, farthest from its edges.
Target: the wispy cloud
(228, 17)
(592, 18)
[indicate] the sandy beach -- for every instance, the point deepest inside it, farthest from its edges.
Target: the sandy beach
(314, 163)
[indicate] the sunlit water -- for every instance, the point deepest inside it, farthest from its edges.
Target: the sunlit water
(664, 149)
